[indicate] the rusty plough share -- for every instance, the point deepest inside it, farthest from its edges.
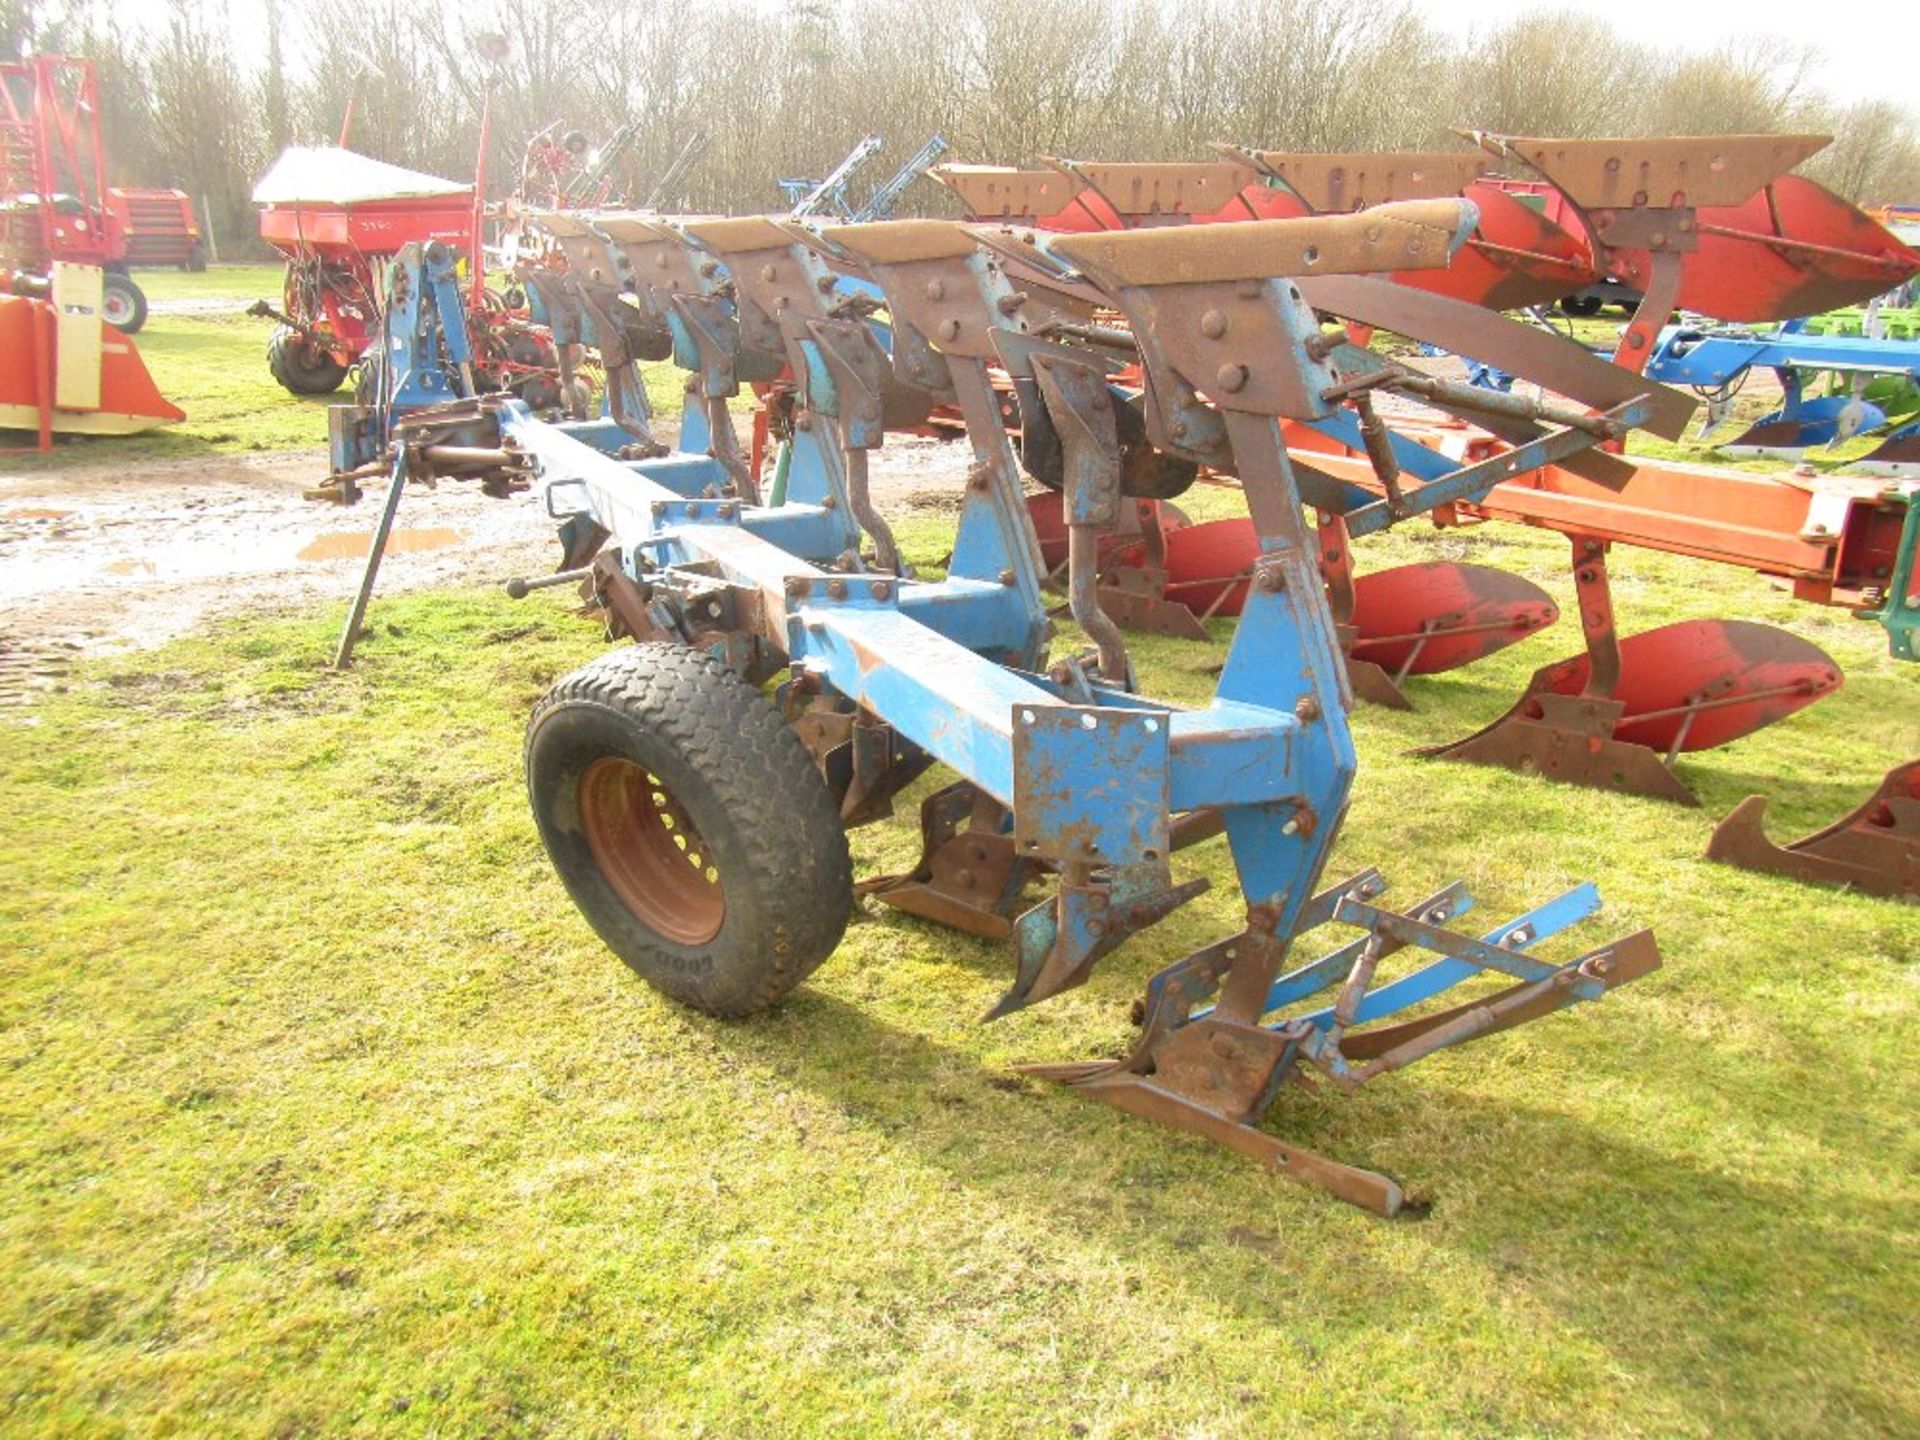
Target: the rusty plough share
(656, 774)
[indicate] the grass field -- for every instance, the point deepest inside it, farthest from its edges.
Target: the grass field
(322, 1112)
(212, 363)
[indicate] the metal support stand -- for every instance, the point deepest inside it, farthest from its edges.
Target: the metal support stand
(350, 634)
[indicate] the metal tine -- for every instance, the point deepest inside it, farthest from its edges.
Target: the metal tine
(1482, 954)
(1217, 956)
(1359, 981)
(1316, 975)
(1467, 1026)
(1311, 979)
(1540, 923)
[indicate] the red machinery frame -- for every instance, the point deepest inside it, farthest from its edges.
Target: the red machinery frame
(51, 146)
(332, 251)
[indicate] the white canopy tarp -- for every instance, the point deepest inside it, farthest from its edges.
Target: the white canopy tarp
(328, 175)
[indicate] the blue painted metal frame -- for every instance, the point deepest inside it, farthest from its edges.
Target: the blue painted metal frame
(1715, 359)
(1092, 776)
(1273, 752)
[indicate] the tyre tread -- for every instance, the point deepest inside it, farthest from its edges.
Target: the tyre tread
(760, 774)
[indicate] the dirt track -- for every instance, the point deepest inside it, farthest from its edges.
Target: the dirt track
(100, 557)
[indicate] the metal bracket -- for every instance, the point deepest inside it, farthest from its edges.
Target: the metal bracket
(1092, 784)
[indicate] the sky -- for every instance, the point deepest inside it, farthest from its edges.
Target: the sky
(1871, 51)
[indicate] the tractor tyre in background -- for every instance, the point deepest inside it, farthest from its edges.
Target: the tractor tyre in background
(690, 826)
(123, 304)
(301, 366)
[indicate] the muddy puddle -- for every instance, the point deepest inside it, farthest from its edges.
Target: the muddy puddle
(105, 556)
(357, 544)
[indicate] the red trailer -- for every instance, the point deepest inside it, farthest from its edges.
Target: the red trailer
(159, 227)
(335, 215)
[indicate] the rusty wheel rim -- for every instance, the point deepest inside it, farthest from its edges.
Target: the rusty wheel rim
(649, 851)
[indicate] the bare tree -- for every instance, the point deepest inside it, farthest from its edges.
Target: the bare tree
(786, 91)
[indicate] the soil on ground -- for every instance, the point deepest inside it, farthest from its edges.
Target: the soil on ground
(100, 557)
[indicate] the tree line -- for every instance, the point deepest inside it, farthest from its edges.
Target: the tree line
(189, 100)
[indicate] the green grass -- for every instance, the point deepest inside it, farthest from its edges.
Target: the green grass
(323, 1112)
(214, 366)
(242, 283)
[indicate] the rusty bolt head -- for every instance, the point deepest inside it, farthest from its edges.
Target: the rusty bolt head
(827, 502)
(978, 477)
(1178, 429)
(1307, 709)
(799, 586)
(1231, 378)
(692, 510)
(880, 589)
(824, 284)
(1102, 513)
(1213, 324)
(768, 273)
(1006, 577)
(936, 290)
(964, 879)
(1271, 580)
(837, 589)
(949, 330)
(708, 268)
(1007, 304)
(1060, 674)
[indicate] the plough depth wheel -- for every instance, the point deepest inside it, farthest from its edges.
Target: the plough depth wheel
(689, 826)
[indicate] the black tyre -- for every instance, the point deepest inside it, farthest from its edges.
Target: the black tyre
(1581, 305)
(689, 826)
(302, 366)
(123, 304)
